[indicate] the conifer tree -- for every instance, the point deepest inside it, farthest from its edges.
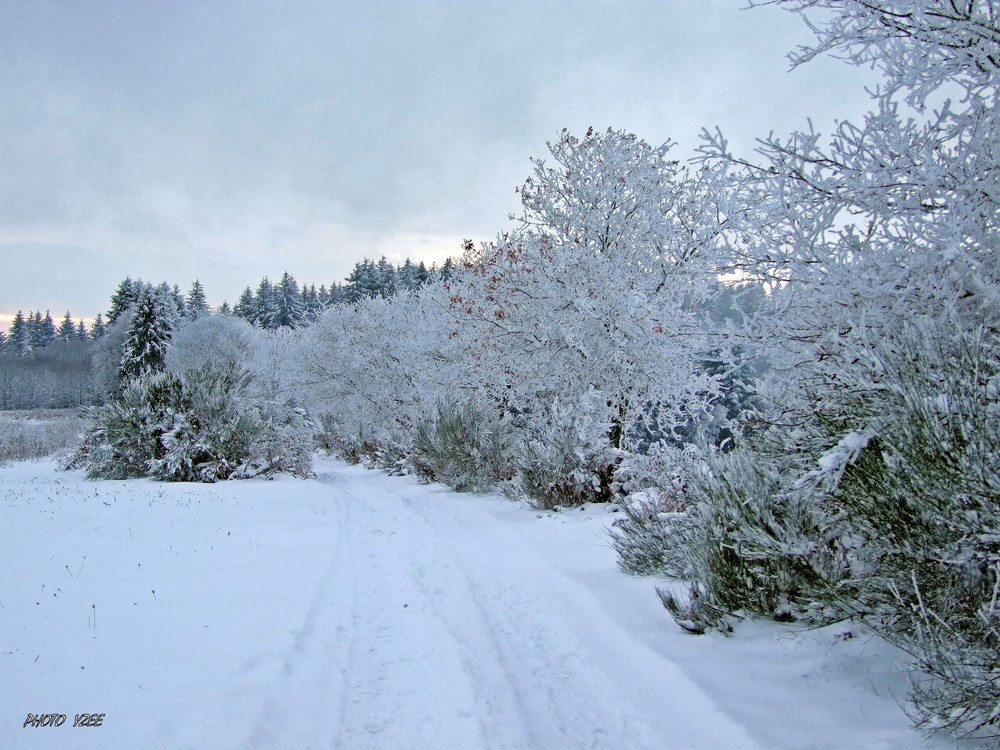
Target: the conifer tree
(288, 308)
(19, 336)
(99, 329)
(81, 331)
(263, 305)
(245, 305)
(196, 304)
(123, 298)
(145, 346)
(67, 329)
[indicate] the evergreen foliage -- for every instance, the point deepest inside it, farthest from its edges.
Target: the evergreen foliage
(67, 329)
(463, 449)
(195, 304)
(145, 345)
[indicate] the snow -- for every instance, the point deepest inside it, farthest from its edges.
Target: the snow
(357, 610)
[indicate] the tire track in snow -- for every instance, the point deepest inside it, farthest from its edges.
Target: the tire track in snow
(514, 635)
(436, 625)
(303, 709)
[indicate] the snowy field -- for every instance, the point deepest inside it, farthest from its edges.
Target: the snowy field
(357, 610)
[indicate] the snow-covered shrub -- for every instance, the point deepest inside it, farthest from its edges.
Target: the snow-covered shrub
(921, 498)
(568, 459)
(337, 438)
(650, 539)
(200, 426)
(653, 536)
(125, 438)
(880, 246)
(463, 447)
(752, 546)
(225, 342)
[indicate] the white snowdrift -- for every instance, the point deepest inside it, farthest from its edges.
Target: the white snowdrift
(362, 611)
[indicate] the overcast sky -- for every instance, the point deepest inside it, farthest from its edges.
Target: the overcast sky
(232, 140)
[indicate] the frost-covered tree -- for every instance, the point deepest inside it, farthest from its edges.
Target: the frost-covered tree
(263, 312)
(870, 484)
(600, 289)
(98, 330)
(148, 333)
(66, 330)
(20, 341)
(124, 298)
(41, 330)
(289, 309)
(195, 304)
(244, 307)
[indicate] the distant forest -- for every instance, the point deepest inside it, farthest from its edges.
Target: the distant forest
(49, 365)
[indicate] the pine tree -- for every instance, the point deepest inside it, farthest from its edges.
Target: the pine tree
(20, 338)
(99, 329)
(145, 347)
(41, 331)
(263, 314)
(448, 269)
(224, 309)
(385, 278)
(407, 276)
(123, 298)
(196, 304)
(67, 329)
(81, 331)
(245, 305)
(288, 308)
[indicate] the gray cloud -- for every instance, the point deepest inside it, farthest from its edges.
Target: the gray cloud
(227, 140)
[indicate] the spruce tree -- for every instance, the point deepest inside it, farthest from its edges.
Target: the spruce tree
(67, 329)
(99, 329)
(145, 347)
(263, 314)
(123, 298)
(196, 304)
(47, 329)
(288, 308)
(245, 305)
(20, 338)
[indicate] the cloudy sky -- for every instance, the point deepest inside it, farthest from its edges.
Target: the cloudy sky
(231, 140)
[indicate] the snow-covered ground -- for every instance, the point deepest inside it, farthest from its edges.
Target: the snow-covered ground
(357, 610)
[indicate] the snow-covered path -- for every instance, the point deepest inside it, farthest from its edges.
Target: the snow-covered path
(363, 611)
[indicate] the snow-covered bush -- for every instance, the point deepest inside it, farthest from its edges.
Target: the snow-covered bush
(651, 538)
(568, 459)
(375, 368)
(464, 447)
(921, 498)
(125, 438)
(752, 543)
(883, 330)
(227, 343)
(199, 426)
